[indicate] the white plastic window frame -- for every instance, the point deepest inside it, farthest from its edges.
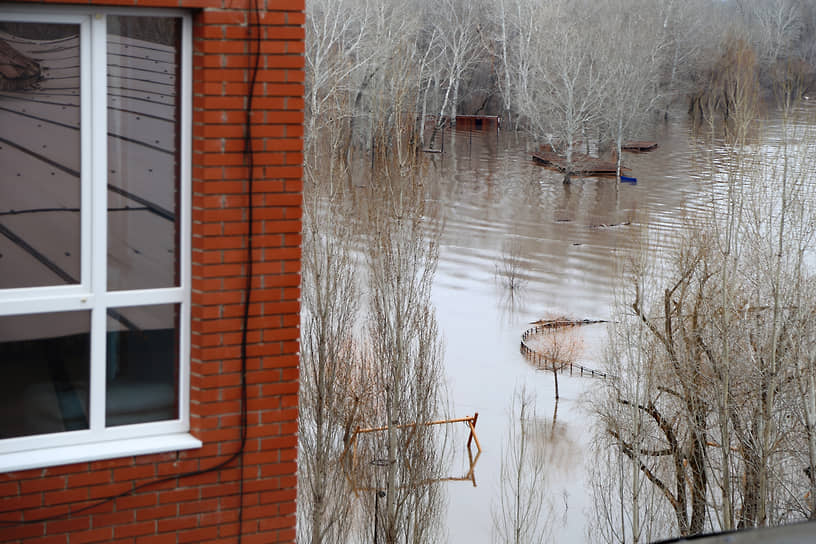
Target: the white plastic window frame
(91, 294)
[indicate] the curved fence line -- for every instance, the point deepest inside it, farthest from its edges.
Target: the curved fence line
(546, 363)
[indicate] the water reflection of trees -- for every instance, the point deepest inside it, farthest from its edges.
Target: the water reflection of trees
(525, 508)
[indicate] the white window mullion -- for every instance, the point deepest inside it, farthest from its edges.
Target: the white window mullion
(86, 145)
(185, 239)
(146, 297)
(99, 204)
(64, 303)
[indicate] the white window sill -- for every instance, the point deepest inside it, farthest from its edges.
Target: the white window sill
(66, 455)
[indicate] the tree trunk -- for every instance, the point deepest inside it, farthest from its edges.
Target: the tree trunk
(699, 480)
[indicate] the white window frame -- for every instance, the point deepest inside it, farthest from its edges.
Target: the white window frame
(98, 442)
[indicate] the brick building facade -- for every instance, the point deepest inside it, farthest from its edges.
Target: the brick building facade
(181, 481)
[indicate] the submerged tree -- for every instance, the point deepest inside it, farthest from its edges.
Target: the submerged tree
(376, 364)
(329, 364)
(458, 31)
(565, 95)
(335, 38)
(406, 346)
(632, 66)
(509, 266)
(710, 354)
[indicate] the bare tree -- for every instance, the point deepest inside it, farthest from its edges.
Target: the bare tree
(633, 71)
(690, 32)
(428, 49)
(328, 361)
(406, 345)
(557, 346)
(509, 267)
(335, 32)
(567, 85)
(458, 26)
(517, 38)
(711, 428)
(502, 56)
(391, 78)
(775, 26)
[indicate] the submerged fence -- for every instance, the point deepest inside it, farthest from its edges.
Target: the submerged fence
(545, 362)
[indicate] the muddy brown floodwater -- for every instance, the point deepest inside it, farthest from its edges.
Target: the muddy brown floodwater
(569, 258)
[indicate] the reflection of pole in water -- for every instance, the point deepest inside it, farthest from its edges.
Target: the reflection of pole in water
(378, 493)
(443, 145)
(377, 496)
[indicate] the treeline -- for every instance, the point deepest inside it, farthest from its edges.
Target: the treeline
(563, 70)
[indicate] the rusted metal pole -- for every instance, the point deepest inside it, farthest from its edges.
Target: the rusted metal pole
(472, 423)
(475, 438)
(404, 425)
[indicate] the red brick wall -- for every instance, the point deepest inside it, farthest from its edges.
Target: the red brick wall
(205, 508)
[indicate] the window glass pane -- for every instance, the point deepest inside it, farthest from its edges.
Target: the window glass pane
(142, 364)
(143, 151)
(45, 364)
(39, 154)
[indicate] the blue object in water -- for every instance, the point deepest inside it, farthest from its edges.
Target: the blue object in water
(627, 179)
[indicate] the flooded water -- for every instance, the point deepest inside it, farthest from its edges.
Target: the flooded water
(569, 244)
(572, 241)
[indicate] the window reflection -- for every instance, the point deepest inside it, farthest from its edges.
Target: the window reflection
(40, 155)
(143, 151)
(142, 364)
(45, 363)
